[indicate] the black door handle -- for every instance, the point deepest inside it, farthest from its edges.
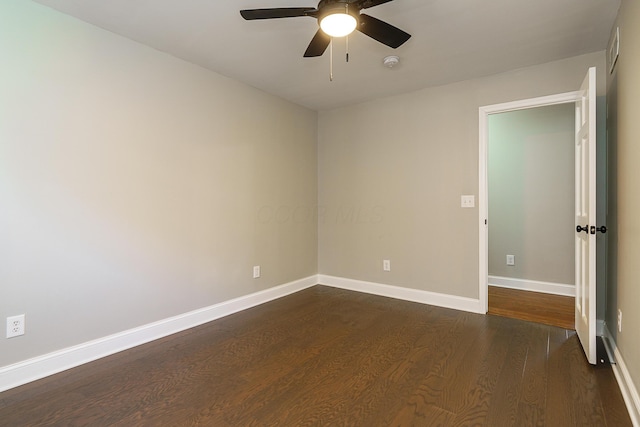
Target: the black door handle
(585, 228)
(602, 229)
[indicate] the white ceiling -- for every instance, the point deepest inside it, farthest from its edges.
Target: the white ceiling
(452, 40)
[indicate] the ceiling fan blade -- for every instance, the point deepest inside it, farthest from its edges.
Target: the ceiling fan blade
(318, 44)
(366, 4)
(278, 12)
(381, 31)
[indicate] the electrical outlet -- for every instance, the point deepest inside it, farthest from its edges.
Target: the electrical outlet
(619, 320)
(386, 265)
(15, 326)
(256, 271)
(511, 260)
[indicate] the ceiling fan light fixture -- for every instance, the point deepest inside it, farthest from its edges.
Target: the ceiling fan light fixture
(338, 24)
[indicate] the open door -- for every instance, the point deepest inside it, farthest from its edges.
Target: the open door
(585, 199)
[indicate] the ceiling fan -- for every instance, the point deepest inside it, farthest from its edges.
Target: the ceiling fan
(337, 18)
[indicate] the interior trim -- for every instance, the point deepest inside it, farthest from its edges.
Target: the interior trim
(533, 286)
(620, 371)
(483, 185)
(406, 294)
(52, 363)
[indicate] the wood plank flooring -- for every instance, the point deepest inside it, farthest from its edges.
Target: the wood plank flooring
(553, 310)
(329, 357)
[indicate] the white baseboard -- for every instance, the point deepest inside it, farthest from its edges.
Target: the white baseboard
(52, 363)
(627, 387)
(533, 285)
(407, 294)
(42, 366)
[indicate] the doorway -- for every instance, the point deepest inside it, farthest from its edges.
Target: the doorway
(587, 202)
(531, 187)
(526, 219)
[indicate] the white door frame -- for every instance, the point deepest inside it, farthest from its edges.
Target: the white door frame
(483, 193)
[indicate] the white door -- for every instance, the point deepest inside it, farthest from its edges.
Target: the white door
(585, 247)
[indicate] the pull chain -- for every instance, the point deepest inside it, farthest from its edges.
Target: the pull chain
(347, 47)
(331, 60)
(347, 55)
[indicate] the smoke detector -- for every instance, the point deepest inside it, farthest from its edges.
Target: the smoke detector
(391, 61)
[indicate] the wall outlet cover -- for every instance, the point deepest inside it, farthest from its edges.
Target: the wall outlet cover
(15, 326)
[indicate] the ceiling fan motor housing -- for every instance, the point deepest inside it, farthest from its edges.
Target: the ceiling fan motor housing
(329, 7)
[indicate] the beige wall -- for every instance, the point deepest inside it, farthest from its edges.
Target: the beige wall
(399, 165)
(135, 186)
(531, 193)
(624, 194)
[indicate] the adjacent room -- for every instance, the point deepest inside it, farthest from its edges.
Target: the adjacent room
(210, 217)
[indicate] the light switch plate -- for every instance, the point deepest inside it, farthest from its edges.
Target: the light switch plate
(467, 201)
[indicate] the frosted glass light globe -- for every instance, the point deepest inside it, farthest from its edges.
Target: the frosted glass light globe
(338, 24)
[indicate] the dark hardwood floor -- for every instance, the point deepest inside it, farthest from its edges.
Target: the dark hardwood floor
(326, 356)
(553, 310)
